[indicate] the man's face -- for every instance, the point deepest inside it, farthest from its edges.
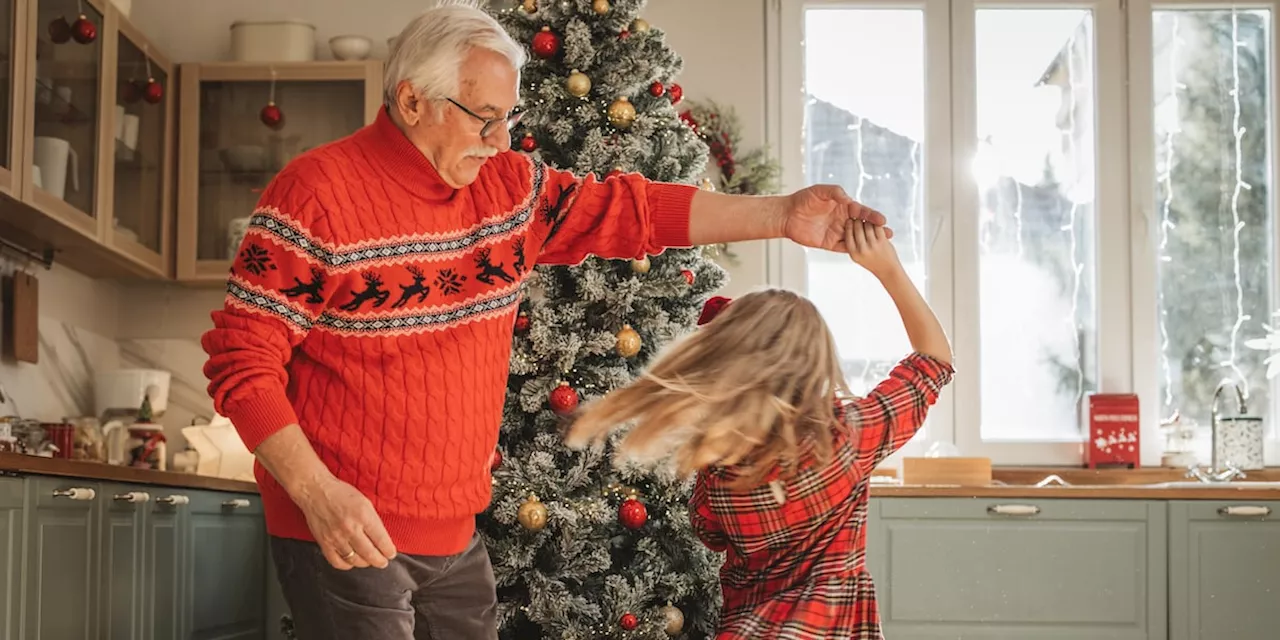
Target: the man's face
(449, 136)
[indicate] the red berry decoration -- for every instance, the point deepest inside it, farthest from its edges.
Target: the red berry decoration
(495, 460)
(656, 89)
(522, 323)
(564, 399)
(624, 34)
(676, 92)
(632, 514)
(528, 143)
(629, 621)
(272, 116)
(60, 30)
(154, 92)
(546, 43)
(688, 276)
(83, 30)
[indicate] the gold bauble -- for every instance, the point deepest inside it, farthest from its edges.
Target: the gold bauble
(641, 265)
(530, 6)
(622, 113)
(640, 25)
(600, 6)
(675, 619)
(578, 84)
(532, 514)
(628, 342)
(707, 185)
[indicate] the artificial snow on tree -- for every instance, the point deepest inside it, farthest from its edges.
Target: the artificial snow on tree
(584, 548)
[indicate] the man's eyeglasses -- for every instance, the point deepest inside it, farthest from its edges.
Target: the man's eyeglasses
(511, 119)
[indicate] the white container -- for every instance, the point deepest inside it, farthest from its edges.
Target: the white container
(350, 47)
(276, 41)
(124, 389)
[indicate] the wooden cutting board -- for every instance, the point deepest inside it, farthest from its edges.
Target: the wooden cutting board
(22, 317)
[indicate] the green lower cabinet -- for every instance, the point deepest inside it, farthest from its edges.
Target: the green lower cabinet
(12, 498)
(60, 592)
(982, 569)
(228, 559)
(1224, 570)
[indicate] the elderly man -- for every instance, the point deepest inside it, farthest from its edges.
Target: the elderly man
(362, 351)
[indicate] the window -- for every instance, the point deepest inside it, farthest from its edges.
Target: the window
(1213, 168)
(1035, 178)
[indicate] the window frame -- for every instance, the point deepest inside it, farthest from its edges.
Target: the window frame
(952, 205)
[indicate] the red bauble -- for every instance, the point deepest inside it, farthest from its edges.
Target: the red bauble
(688, 276)
(495, 460)
(272, 116)
(624, 34)
(656, 89)
(564, 399)
(676, 92)
(522, 323)
(546, 43)
(130, 91)
(629, 621)
(59, 30)
(687, 118)
(154, 92)
(528, 143)
(83, 30)
(632, 514)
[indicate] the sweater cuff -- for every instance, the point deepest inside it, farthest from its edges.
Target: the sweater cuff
(259, 416)
(670, 205)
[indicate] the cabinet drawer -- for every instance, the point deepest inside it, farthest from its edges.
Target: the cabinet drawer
(227, 503)
(1012, 509)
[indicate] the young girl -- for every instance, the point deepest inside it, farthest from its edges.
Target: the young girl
(755, 403)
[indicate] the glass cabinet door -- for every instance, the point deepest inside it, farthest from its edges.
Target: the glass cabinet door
(139, 189)
(241, 148)
(65, 105)
(8, 56)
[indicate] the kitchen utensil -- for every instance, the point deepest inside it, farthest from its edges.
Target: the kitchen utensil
(22, 317)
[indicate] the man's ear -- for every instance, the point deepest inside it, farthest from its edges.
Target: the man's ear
(407, 103)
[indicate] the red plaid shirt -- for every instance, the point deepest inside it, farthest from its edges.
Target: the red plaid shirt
(795, 553)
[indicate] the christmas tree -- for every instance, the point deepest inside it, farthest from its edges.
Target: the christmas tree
(584, 547)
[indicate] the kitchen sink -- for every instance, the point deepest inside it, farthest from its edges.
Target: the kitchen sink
(1235, 484)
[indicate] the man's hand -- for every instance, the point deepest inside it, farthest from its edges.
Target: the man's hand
(815, 217)
(346, 527)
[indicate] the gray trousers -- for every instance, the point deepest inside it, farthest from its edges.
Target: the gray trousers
(414, 598)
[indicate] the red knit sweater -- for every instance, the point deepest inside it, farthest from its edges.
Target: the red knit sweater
(372, 304)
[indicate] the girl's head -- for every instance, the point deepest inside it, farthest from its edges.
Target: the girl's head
(756, 383)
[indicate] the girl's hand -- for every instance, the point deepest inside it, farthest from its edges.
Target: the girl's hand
(869, 246)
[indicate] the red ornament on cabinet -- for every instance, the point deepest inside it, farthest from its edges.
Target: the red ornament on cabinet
(564, 399)
(629, 621)
(83, 30)
(154, 92)
(546, 43)
(130, 91)
(60, 30)
(1113, 431)
(272, 116)
(632, 514)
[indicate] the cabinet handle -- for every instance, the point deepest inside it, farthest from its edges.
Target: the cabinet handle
(174, 500)
(1013, 510)
(238, 503)
(1245, 511)
(132, 496)
(76, 493)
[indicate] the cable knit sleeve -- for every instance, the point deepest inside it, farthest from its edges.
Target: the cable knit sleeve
(622, 216)
(277, 288)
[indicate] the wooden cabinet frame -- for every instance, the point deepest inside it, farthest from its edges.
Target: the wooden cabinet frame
(189, 267)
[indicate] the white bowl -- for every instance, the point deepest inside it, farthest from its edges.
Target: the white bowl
(350, 47)
(245, 158)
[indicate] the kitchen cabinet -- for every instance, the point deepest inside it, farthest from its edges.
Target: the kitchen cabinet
(228, 153)
(87, 155)
(1019, 569)
(103, 560)
(1224, 569)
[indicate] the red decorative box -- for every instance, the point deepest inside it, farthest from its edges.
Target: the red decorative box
(1113, 431)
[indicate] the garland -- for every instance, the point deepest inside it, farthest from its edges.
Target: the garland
(752, 173)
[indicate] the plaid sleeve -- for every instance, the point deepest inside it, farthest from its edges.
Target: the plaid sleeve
(891, 414)
(704, 521)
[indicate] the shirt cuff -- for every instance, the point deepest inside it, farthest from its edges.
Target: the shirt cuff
(670, 205)
(258, 417)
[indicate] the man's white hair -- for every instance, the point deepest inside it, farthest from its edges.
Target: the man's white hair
(429, 51)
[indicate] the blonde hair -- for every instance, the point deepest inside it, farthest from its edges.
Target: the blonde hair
(754, 388)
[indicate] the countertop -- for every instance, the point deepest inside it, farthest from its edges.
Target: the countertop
(1010, 482)
(36, 465)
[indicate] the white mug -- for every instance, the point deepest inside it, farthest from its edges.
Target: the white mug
(51, 156)
(130, 133)
(120, 122)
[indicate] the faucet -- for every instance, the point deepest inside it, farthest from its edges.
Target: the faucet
(1214, 472)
